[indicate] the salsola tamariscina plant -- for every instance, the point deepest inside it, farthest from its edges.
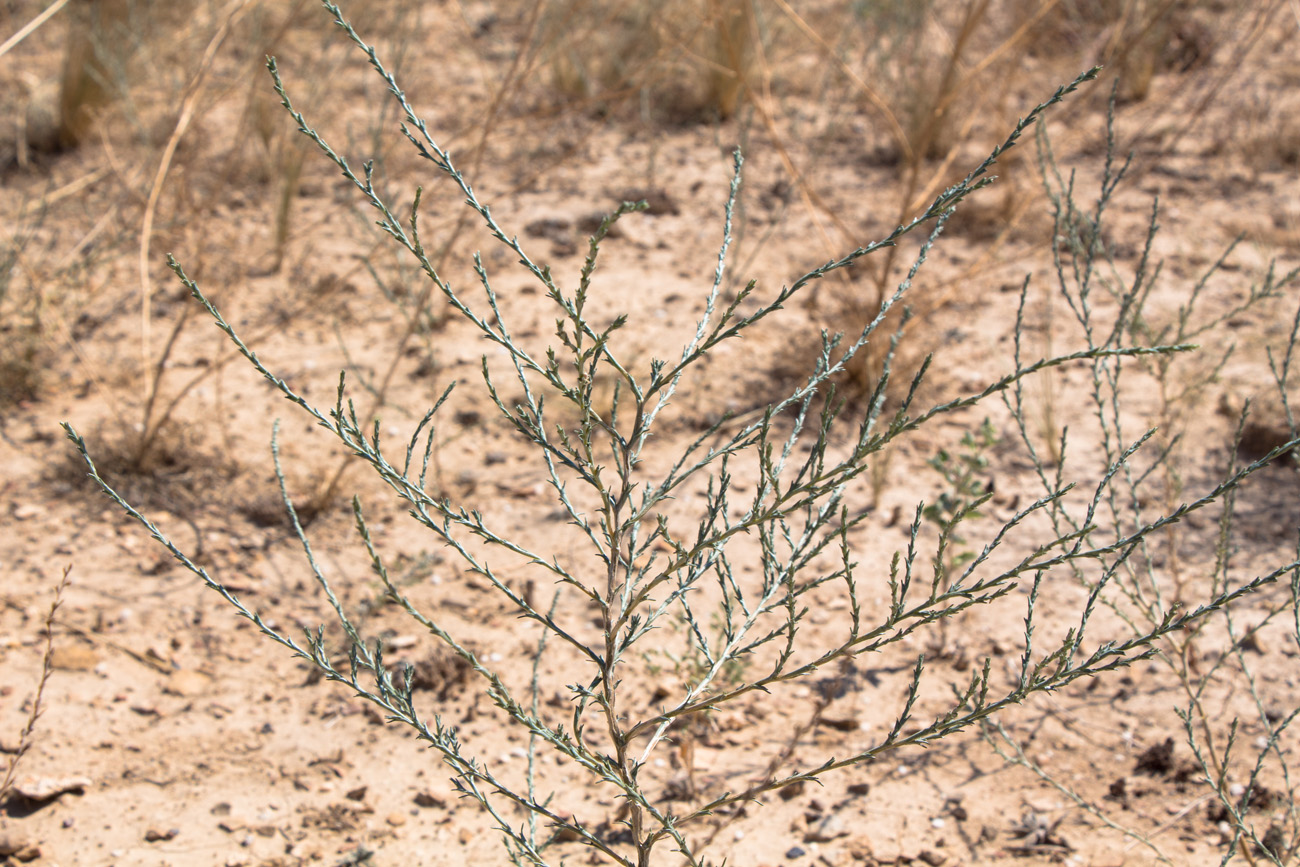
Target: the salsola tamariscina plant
(1249, 781)
(774, 490)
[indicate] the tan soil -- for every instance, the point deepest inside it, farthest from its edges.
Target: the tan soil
(184, 738)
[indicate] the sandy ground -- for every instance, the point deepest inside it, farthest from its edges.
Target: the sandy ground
(171, 733)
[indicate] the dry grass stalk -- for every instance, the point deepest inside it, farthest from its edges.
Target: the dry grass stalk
(95, 53)
(37, 705)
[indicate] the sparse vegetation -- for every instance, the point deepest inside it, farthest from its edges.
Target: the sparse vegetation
(600, 469)
(750, 552)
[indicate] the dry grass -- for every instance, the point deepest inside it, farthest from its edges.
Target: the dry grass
(935, 81)
(677, 61)
(944, 78)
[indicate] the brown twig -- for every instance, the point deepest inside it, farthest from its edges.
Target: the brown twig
(47, 667)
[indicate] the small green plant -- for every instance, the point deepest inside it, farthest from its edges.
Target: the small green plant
(772, 530)
(964, 491)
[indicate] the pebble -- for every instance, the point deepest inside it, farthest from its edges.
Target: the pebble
(73, 657)
(827, 829)
(465, 836)
(795, 852)
(428, 799)
(19, 848)
(794, 790)
(46, 788)
(396, 820)
(187, 683)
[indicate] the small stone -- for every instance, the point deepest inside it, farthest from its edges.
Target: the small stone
(357, 794)
(860, 790)
(428, 799)
(73, 657)
(29, 852)
(12, 844)
(843, 722)
(27, 511)
(402, 642)
(795, 852)
(465, 836)
(934, 859)
(397, 820)
(47, 788)
(187, 683)
(827, 829)
(791, 791)
(153, 835)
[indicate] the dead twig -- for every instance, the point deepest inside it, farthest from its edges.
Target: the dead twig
(47, 667)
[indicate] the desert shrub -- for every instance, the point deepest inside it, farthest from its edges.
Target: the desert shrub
(734, 536)
(1253, 799)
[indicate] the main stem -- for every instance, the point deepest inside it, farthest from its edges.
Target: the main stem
(613, 619)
